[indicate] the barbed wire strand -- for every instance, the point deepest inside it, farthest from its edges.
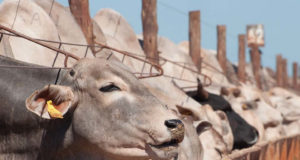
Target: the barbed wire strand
(16, 14)
(60, 43)
(204, 22)
(51, 7)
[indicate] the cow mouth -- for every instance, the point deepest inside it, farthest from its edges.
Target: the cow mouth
(166, 150)
(166, 146)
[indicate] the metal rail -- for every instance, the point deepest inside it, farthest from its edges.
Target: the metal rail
(184, 66)
(287, 148)
(207, 80)
(125, 53)
(67, 54)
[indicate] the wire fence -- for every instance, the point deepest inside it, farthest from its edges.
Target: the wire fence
(287, 148)
(185, 14)
(154, 69)
(293, 143)
(41, 42)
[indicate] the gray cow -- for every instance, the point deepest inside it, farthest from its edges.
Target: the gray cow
(107, 114)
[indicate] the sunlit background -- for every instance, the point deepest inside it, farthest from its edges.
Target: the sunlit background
(278, 16)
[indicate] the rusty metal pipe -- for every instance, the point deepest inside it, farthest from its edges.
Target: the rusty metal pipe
(159, 69)
(37, 42)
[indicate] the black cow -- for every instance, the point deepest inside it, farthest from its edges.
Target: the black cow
(244, 134)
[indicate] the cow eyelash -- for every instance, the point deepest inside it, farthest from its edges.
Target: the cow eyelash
(109, 88)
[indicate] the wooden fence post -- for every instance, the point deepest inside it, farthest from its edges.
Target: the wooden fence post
(195, 38)
(150, 29)
(279, 71)
(284, 149)
(242, 58)
(81, 12)
(295, 75)
(256, 64)
(221, 47)
(284, 73)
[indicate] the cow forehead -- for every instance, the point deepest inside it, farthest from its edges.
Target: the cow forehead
(89, 63)
(102, 67)
(103, 71)
(250, 93)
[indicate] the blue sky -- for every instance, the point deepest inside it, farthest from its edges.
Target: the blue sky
(278, 16)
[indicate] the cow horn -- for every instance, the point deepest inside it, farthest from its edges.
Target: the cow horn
(201, 92)
(224, 91)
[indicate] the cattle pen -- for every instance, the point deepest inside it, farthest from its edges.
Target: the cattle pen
(189, 68)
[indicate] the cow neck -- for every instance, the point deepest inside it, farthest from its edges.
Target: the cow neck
(57, 135)
(20, 130)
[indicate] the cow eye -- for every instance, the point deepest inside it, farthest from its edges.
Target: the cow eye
(257, 100)
(109, 88)
(72, 72)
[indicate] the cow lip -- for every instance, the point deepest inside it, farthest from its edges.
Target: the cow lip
(166, 150)
(167, 146)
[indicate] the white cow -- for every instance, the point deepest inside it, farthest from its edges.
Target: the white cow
(120, 35)
(287, 103)
(255, 101)
(31, 20)
(68, 29)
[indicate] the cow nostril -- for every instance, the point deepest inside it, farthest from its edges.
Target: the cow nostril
(173, 123)
(256, 132)
(255, 138)
(176, 128)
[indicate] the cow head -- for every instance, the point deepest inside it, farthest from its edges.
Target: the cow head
(260, 104)
(219, 136)
(253, 105)
(286, 103)
(111, 111)
(244, 134)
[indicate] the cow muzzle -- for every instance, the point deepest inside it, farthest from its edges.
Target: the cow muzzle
(176, 127)
(169, 149)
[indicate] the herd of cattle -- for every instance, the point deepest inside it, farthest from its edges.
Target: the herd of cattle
(107, 112)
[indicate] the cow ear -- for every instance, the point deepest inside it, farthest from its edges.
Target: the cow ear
(202, 126)
(53, 101)
(186, 112)
(222, 115)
